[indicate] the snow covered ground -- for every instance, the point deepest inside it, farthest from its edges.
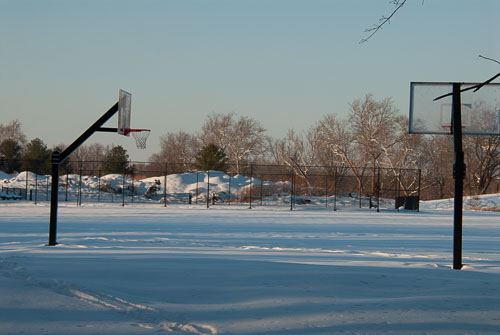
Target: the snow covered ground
(143, 269)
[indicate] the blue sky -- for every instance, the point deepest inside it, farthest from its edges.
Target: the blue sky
(285, 63)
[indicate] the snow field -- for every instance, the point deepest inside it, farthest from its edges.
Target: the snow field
(143, 269)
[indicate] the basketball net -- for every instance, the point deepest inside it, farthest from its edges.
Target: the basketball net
(140, 137)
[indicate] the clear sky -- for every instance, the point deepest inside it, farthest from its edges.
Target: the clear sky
(285, 63)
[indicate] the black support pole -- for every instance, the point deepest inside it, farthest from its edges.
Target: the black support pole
(58, 158)
(458, 175)
(54, 198)
(89, 132)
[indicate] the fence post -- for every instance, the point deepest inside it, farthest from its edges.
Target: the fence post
(378, 190)
(123, 187)
(262, 189)
(251, 185)
(67, 182)
(335, 189)
(419, 179)
(229, 200)
(326, 191)
(398, 185)
(99, 185)
(197, 174)
(133, 189)
(79, 198)
(165, 186)
(291, 189)
(36, 187)
(208, 188)
(361, 187)
(47, 188)
(27, 174)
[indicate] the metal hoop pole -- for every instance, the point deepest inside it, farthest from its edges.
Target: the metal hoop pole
(458, 175)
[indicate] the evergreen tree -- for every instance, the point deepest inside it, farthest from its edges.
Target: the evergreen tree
(10, 155)
(117, 161)
(211, 157)
(36, 157)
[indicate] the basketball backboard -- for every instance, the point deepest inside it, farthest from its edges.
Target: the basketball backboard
(480, 109)
(124, 111)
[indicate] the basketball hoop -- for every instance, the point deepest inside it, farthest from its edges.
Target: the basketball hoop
(449, 127)
(140, 136)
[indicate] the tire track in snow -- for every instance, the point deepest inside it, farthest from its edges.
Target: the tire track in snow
(148, 317)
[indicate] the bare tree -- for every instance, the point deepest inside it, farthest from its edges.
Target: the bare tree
(337, 149)
(12, 131)
(179, 148)
(217, 129)
(437, 167)
(406, 153)
(337, 143)
(483, 162)
(482, 153)
(89, 157)
(297, 151)
(373, 125)
(242, 138)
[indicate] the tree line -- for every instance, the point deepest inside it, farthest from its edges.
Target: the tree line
(17, 154)
(373, 134)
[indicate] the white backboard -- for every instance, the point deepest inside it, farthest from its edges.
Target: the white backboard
(124, 111)
(480, 110)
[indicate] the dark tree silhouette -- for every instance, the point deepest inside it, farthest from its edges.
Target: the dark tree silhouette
(211, 157)
(117, 161)
(10, 155)
(36, 157)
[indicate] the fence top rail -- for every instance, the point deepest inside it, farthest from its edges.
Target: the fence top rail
(242, 168)
(248, 166)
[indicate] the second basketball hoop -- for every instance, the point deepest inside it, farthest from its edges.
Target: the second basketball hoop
(480, 111)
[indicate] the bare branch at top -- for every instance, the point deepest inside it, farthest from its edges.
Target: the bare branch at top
(487, 58)
(383, 20)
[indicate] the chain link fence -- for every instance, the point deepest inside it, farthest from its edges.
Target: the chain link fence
(168, 184)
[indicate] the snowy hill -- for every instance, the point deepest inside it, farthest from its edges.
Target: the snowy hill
(153, 188)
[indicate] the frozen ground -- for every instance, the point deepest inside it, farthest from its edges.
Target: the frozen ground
(149, 269)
